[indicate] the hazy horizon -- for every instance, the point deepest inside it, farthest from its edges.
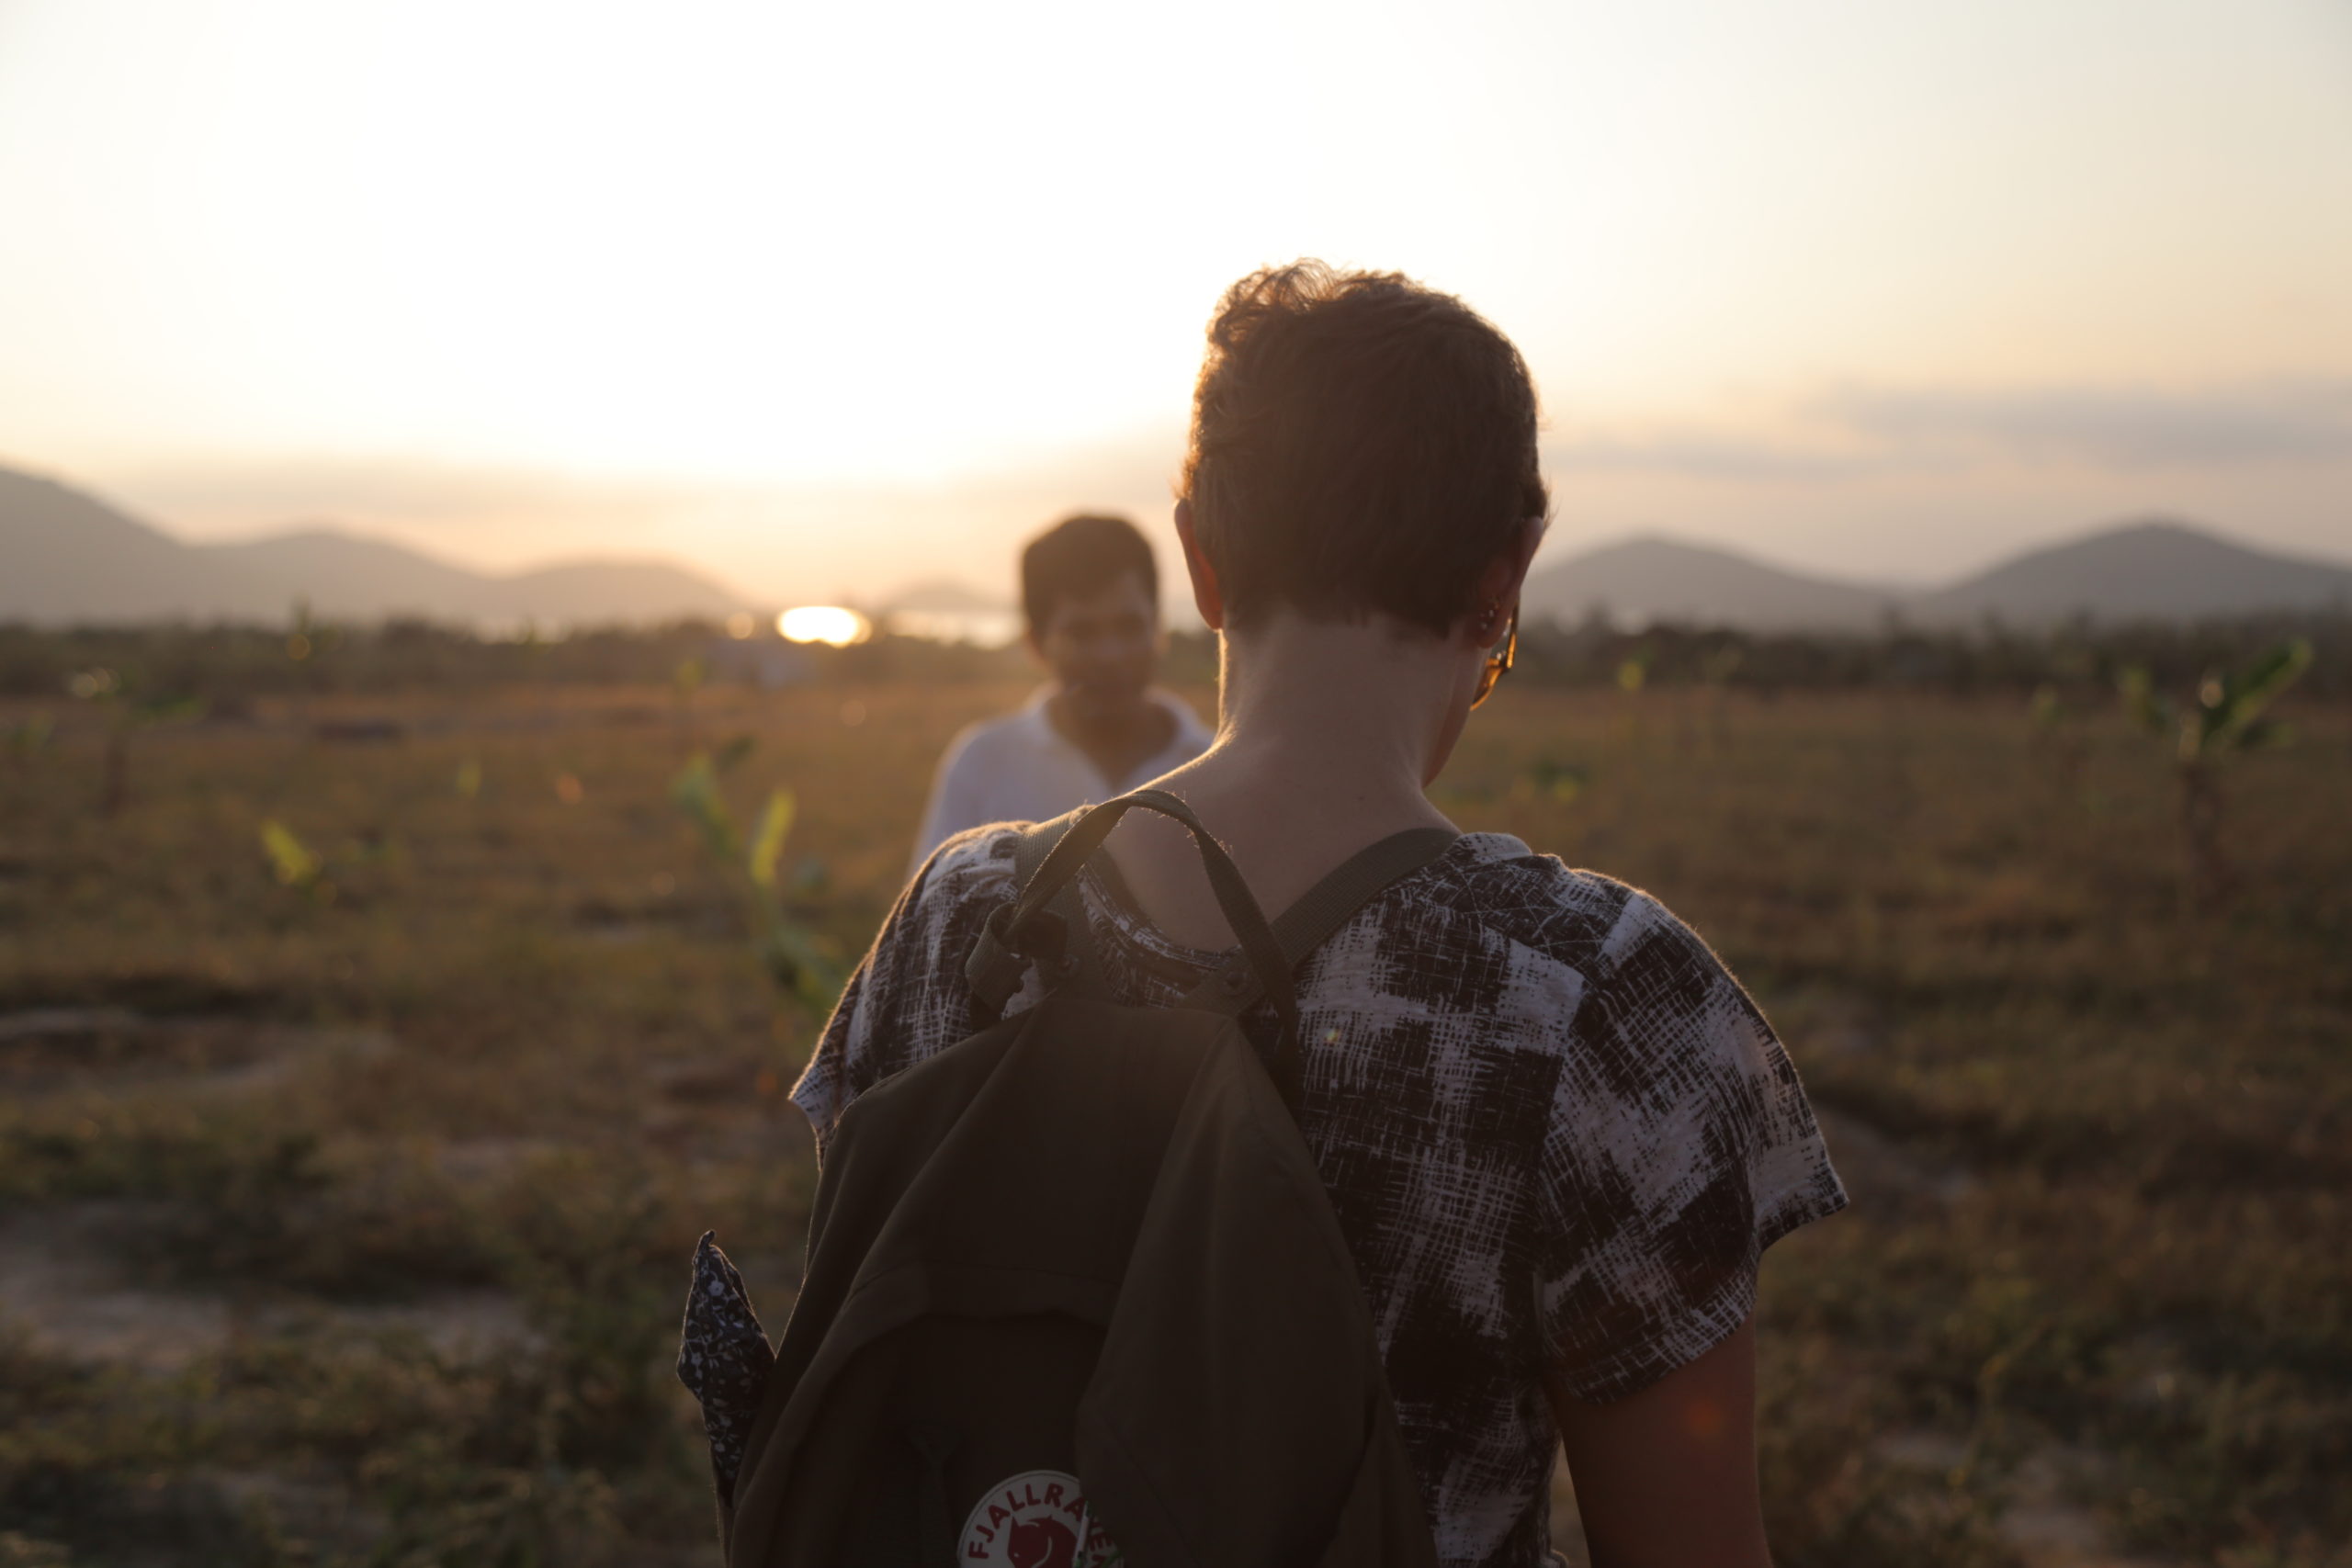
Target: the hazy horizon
(988, 568)
(825, 304)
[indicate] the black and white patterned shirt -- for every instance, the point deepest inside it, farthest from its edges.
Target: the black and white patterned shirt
(1557, 1134)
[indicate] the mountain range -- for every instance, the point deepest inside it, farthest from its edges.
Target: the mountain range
(2147, 570)
(68, 558)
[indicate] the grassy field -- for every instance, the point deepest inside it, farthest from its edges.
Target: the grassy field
(343, 1219)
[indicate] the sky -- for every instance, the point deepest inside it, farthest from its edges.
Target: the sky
(831, 299)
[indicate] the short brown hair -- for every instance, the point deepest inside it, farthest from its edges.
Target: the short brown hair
(1359, 443)
(1083, 554)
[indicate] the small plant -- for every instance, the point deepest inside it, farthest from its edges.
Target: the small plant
(1633, 670)
(307, 644)
(27, 738)
(2057, 733)
(1560, 782)
(294, 862)
(686, 680)
(797, 958)
(126, 710)
(2227, 720)
(2049, 709)
(323, 877)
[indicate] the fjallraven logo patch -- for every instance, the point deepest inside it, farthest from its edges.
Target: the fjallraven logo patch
(1035, 1519)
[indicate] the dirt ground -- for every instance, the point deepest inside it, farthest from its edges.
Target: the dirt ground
(348, 1168)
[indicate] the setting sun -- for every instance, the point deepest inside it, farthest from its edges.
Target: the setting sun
(827, 624)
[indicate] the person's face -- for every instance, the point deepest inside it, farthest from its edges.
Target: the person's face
(1103, 647)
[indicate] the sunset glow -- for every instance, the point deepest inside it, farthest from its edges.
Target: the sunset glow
(827, 624)
(816, 296)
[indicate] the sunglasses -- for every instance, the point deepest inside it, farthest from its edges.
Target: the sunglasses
(1498, 662)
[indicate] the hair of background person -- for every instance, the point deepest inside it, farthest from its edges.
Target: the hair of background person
(1082, 555)
(1360, 442)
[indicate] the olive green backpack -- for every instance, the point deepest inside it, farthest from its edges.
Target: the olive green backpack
(1076, 1295)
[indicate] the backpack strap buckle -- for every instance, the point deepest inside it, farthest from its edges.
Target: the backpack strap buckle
(1042, 938)
(1005, 950)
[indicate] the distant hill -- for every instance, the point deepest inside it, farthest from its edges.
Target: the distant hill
(944, 594)
(1667, 579)
(66, 557)
(2142, 571)
(347, 575)
(2150, 570)
(351, 576)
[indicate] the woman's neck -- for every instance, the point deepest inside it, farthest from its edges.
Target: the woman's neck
(1358, 709)
(1326, 736)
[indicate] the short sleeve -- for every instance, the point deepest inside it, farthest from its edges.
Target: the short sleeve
(1678, 1148)
(908, 999)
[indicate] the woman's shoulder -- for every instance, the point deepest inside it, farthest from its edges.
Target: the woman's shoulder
(975, 863)
(907, 997)
(949, 897)
(1507, 953)
(1582, 919)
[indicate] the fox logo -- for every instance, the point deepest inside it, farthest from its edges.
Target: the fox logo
(1035, 1519)
(1041, 1543)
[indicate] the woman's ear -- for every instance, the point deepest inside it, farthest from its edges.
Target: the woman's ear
(1498, 586)
(1208, 597)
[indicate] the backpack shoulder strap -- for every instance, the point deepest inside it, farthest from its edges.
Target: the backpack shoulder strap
(1052, 932)
(1323, 908)
(1080, 970)
(1035, 843)
(994, 969)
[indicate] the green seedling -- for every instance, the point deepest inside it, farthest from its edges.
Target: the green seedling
(1634, 672)
(2057, 731)
(2228, 720)
(1560, 782)
(797, 958)
(296, 865)
(307, 644)
(308, 641)
(767, 840)
(688, 678)
(31, 737)
(294, 862)
(2047, 708)
(127, 709)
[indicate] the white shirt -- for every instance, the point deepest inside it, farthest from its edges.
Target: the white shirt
(1020, 769)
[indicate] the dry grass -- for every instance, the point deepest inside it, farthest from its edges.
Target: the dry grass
(347, 1225)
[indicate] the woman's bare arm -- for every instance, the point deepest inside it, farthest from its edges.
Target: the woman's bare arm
(1666, 1478)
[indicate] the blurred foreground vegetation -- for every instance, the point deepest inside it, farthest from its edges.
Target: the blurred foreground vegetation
(348, 1177)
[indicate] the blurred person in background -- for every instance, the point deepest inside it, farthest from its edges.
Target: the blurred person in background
(1090, 591)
